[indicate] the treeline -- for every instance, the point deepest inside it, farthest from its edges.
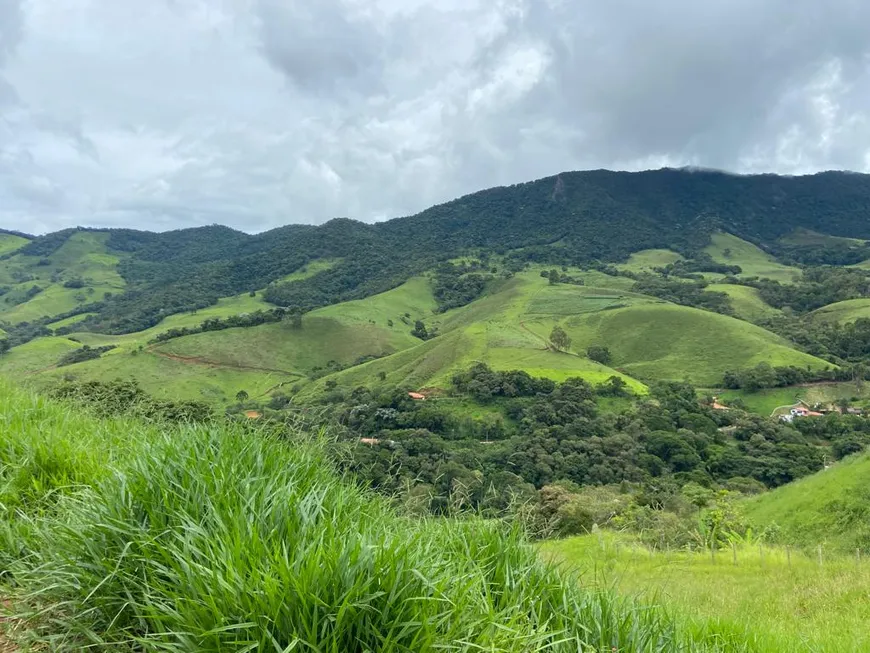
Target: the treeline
(686, 293)
(292, 316)
(764, 375)
(82, 354)
(109, 399)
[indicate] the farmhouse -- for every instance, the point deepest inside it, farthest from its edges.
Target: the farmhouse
(416, 396)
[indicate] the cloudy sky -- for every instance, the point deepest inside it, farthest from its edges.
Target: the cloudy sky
(254, 113)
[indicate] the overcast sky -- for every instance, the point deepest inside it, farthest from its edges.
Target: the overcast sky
(255, 113)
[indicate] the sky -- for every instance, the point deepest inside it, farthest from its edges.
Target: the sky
(163, 114)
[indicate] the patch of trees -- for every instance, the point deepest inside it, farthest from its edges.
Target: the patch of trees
(5, 345)
(817, 287)
(422, 332)
(829, 253)
(76, 282)
(243, 320)
(764, 375)
(686, 293)
(127, 398)
(483, 383)
(457, 285)
(17, 298)
(599, 354)
(84, 353)
(555, 277)
(701, 262)
(48, 244)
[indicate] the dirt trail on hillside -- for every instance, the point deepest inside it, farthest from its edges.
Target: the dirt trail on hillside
(198, 360)
(538, 337)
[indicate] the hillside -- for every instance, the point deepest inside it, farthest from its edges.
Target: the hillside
(831, 507)
(150, 518)
(574, 218)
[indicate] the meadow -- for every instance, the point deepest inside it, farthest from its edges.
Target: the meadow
(755, 262)
(786, 599)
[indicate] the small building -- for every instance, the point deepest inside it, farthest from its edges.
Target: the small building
(253, 414)
(369, 441)
(416, 396)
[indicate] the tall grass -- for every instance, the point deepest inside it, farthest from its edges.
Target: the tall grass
(121, 535)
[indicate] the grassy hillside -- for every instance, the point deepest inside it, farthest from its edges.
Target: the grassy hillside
(731, 250)
(844, 312)
(84, 256)
(747, 303)
(832, 506)
(649, 259)
(676, 342)
(789, 603)
(146, 521)
(508, 328)
(9, 243)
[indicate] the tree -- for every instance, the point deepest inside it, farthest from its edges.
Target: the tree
(4, 346)
(599, 355)
(241, 396)
(420, 330)
(559, 338)
(293, 317)
(554, 277)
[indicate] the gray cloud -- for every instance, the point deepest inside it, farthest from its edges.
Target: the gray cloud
(256, 113)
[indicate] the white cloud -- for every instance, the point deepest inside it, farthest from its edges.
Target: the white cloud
(256, 113)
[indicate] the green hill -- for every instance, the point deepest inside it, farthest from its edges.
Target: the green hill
(666, 341)
(830, 507)
(844, 312)
(755, 262)
(746, 301)
(146, 520)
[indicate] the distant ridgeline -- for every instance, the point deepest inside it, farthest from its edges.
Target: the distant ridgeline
(577, 218)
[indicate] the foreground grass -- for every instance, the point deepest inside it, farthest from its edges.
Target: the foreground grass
(787, 600)
(124, 536)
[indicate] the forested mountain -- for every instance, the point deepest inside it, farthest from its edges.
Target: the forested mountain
(574, 218)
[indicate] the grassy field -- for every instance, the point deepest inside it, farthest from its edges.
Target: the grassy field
(646, 260)
(785, 599)
(802, 236)
(677, 342)
(763, 402)
(830, 507)
(9, 243)
(844, 312)
(731, 250)
(125, 536)
(747, 303)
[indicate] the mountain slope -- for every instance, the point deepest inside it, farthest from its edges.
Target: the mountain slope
(571, 218)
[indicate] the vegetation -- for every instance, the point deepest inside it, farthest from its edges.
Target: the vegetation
(786, 600)
(113, 531)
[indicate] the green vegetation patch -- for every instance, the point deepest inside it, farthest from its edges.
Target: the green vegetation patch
(181, 513)
(787, 602)
(754, 261)
(9, 243)
(649, 259)
(665, 341)
(845, 312)
(746, 301)
(830, 507)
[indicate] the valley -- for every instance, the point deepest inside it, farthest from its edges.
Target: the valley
(614, 367)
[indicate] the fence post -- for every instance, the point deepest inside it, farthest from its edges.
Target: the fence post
(761, 553)
(734, 553)
(820, 555)
(858, 557)
(788, 554)
(713, 552)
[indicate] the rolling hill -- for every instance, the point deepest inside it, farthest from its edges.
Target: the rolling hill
(830, 507)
